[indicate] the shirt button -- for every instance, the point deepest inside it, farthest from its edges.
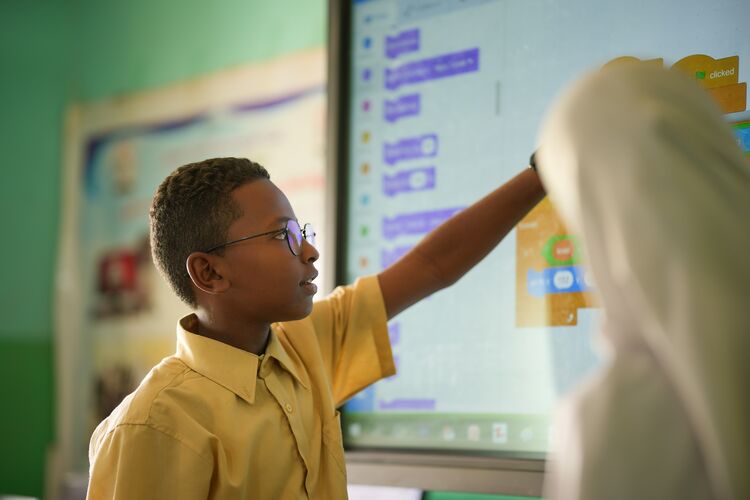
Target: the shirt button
(288, 408)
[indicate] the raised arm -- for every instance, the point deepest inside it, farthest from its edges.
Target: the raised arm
(458, 244)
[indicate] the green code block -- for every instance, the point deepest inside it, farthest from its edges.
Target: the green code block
(445, 495)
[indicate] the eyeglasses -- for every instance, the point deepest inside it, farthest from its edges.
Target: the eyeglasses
(291, 232)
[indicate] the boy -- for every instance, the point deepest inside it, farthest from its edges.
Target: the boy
(246, 407)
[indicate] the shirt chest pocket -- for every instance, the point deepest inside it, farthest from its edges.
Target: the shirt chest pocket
(332, 442)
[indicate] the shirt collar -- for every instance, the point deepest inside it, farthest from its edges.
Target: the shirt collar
(275, 349)
(228, 366)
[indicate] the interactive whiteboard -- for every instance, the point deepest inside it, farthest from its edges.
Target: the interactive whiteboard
(442, 104)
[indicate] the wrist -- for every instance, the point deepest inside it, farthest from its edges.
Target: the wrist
(532, 161)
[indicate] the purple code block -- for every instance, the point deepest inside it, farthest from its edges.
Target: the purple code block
(404, 106)
(403, 43)
(416, 223)
(388, 257)
(394, 333)
(407, 404)
(433, 68)
(416, 179)
(423, 146)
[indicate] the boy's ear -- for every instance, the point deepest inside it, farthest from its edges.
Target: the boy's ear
(205, 273)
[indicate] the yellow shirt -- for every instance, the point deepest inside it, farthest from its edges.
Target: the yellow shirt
(214, 421)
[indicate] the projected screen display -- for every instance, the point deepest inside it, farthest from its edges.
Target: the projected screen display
(445, 100)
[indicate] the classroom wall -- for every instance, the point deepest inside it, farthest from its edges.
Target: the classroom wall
(34, 55)
(130, 46)
(54, 52)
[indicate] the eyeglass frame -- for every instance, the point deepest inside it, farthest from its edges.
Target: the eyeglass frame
(303, 231)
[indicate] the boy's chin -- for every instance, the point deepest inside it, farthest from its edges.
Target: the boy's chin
(308, 310)
(300, 313)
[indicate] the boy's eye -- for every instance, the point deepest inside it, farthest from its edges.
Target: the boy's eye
(281, 235)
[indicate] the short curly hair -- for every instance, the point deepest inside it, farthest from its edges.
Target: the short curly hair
(192, 210)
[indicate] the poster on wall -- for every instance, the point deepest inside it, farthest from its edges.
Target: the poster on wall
(116, 316)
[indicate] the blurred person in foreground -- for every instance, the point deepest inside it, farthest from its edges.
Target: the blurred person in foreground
(641, 163)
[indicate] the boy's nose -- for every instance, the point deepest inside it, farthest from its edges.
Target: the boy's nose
(309, 253)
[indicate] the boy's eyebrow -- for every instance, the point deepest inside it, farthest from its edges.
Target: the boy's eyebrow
(274, 224)
(278, 221)
(283, 219)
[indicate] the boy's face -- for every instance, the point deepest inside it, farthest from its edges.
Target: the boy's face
(267, 282)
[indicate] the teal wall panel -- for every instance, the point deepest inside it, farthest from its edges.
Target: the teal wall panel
(52, 53)
(446, 495)
(34, 50)
(124, 47)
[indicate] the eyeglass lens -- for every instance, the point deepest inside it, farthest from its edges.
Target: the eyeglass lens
(294, 235)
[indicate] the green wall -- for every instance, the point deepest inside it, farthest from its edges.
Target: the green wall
(123, 47)
(34, 56)
(57, 51)
(446, 495)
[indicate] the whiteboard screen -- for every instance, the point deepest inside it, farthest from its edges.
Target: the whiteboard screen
(445, 99)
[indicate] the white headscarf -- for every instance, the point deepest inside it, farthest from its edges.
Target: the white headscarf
(641, 164)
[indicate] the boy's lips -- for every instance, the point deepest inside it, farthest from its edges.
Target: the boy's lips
(308, 284)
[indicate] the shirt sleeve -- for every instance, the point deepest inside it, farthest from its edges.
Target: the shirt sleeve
(351, 327)
(138, 461)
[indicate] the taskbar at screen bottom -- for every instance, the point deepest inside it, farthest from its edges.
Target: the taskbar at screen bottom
(494, 434)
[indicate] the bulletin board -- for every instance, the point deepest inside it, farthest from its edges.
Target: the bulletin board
(115, 315)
